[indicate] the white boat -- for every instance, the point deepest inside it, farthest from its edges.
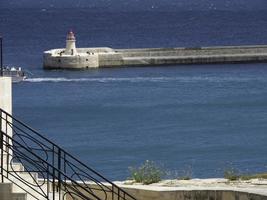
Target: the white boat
(16, 73)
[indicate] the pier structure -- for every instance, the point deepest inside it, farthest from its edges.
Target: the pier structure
(79, 58)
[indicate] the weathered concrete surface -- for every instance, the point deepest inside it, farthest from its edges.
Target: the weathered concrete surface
(85, 58)
(6, 104)
(108, 57)
(196, 189)
(6, 94)
(200, 189)
(173, 56)
(6, 100)
(6, 193)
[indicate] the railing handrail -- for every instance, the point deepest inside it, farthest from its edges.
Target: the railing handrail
(49, 141)
(60, 172)
(41, 159)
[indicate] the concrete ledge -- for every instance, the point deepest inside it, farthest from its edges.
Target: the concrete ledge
(194, 195)
(200, 189)
(195, 189)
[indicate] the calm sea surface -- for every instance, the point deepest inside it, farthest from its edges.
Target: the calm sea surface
(203, 117)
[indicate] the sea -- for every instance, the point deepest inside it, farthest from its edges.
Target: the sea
(198, 120)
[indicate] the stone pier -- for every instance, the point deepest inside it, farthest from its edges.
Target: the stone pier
(108, 57)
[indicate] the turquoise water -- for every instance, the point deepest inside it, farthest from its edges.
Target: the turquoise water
(208, 117)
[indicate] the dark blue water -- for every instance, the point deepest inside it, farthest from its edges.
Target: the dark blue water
(204, 116)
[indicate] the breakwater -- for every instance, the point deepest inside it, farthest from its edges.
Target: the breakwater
(108, 57)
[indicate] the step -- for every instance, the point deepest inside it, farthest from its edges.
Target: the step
(15, 167)
(18, 192)
(23, 178)
(19, 196)
(16, 189)
(5, 191)
(24, 183)
(50, 194)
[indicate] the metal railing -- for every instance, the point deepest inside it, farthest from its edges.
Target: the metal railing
(51, 172)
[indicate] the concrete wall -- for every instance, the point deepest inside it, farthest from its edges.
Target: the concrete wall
(193, 51)
(6, 101)
(194, 195)
(70, 62)
(6, 104)
(6, 94)
(86, 58)
(111, 59)
(141, 192)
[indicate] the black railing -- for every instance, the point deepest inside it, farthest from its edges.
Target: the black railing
(45, 171)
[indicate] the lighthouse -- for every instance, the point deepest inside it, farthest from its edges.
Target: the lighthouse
(70, 44)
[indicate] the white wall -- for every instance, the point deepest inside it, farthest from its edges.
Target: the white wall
(6, 94)
(6, 104)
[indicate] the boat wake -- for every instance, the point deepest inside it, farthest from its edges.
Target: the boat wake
(145, 79)
(101, 80)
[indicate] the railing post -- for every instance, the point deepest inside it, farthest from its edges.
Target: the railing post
(53, 173)
(47, 182)
(59, 172)
(112, 192)
(7, 148)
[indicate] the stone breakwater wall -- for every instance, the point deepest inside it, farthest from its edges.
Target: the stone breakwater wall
(108, 57)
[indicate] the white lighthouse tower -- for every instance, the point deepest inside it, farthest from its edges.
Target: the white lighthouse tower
(70, 44)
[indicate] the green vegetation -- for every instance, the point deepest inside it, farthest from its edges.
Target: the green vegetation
(184, 178)
(233, 175)
(147, 173)
(254, 176)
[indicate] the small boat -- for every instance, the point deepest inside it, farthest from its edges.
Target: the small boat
(16, 73)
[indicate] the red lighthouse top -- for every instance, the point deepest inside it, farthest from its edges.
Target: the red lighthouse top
(70, 36)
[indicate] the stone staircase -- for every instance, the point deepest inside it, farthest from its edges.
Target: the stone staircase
(32, 167)
(14, 187)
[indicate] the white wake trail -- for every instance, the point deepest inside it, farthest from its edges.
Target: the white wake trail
(109, 79)
(185, 79)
